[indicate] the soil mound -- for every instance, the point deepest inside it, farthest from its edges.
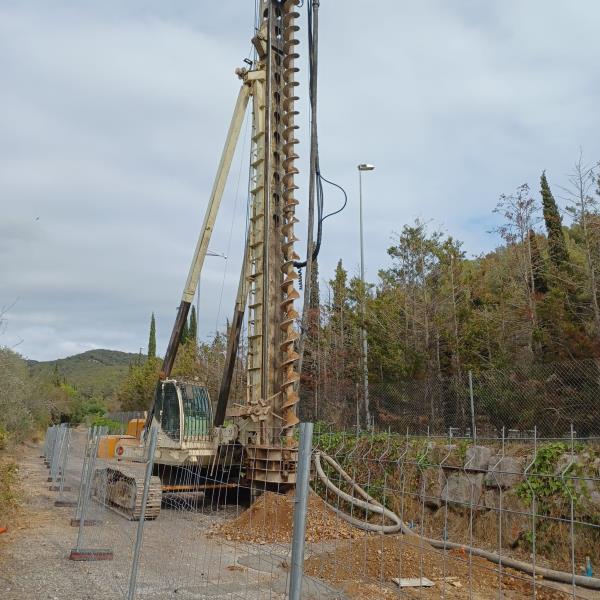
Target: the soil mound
(365, 568)
(270, 520)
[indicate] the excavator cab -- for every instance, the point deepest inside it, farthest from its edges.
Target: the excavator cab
(184, 411)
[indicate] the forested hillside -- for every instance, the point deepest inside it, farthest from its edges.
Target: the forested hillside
(535, 299)
(73, 389)
(95, 373)
(528, 311)
(435, 313)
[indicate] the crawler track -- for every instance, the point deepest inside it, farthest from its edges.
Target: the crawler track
(122, 488)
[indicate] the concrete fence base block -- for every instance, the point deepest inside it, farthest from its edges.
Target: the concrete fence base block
(87, 523)
(56, 488)
(90, 554)
(67, 503)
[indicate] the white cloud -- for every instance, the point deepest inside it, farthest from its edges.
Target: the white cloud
(113, 116)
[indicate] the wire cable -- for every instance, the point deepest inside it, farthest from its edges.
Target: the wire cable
(320, 194)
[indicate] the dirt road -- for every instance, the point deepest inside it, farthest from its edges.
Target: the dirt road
(178, 559)
(197, 555)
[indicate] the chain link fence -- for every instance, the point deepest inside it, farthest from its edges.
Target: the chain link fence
(549, 398)
(459, 518)
(366, 515)
(389, 515)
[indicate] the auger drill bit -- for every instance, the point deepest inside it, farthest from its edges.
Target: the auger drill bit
(289, 361)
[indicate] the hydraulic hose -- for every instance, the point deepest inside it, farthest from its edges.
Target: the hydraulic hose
(369, 504)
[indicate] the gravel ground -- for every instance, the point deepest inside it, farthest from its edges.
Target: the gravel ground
(184, 555)
(178, 559)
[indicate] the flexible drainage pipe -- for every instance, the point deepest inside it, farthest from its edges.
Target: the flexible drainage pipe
(369, 504)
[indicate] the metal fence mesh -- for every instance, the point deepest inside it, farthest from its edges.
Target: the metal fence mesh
(549, 397)
(388, 515)
(470, 513)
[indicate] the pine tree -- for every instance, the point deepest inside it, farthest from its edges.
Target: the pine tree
(540, 284)
(152, 338)
(193, 329)
(557, 247)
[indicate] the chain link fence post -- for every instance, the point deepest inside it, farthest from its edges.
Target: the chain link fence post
(44, 453)
(300, 503)
(140, 528)
(89, 554)
(86, 456)
(64, 462)
(48, 449)
(56, 456)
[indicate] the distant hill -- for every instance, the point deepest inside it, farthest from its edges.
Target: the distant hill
(93, 373)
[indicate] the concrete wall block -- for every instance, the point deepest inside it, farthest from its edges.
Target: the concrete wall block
(504, 472)
(432, 484)
(477, 458)
(464, 489)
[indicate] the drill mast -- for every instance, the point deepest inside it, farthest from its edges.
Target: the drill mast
(272, 358)
(268, 279)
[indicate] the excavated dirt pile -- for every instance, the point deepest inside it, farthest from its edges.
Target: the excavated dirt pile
(270, 520)
(360, 567)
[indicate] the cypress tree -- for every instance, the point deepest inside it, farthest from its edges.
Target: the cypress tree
(152, 338)
(557, 248)
(338, 283)
(56, 375)
(540, 284)
(193, 324)
(185, 333)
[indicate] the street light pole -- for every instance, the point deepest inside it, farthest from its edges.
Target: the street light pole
(363, 329)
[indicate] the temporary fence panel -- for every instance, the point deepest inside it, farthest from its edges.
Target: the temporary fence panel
(386, 515)
(459, 519)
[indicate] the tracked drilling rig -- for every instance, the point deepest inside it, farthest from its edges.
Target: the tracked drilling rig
(259, 427)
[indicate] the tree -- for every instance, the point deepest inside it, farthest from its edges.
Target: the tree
(451, 295)
(585, 210)
(152, 338)
(137, 391)
(56, 378)
(338, 286)
(193, 329)
(310, 348)
(557, 247)
(18, 404)
(315, 298)
(519, 211)
(186, 362)
(540, 283)
(415, 268)
(185, 334)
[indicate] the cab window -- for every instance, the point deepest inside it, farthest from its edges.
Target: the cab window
(169, 415)
(197, 412)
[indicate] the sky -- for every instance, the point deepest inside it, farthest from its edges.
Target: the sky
(113, 115)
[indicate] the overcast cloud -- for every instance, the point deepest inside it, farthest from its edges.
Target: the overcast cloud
(113, 115)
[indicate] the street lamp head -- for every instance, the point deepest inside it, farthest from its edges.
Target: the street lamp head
(366, 167)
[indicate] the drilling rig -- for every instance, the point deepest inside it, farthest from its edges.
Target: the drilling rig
(258, 428)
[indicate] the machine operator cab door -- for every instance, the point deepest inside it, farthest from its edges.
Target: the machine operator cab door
(184, 411)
